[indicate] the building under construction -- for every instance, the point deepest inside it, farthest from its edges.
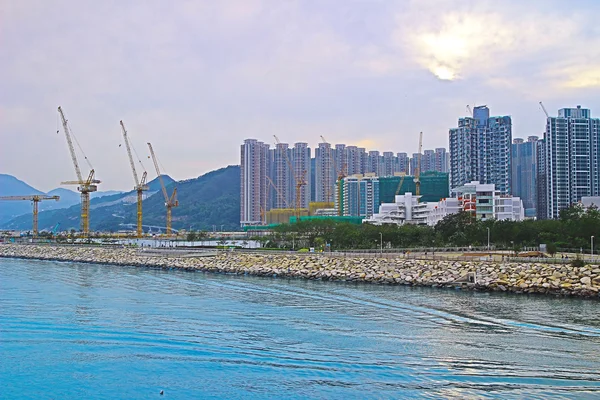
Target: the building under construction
(434, 187)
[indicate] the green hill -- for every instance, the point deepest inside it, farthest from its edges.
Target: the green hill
(211, 199)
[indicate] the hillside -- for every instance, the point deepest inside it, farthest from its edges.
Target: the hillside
(211, 199)
(11, 186)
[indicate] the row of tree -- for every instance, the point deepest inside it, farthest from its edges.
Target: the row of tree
(573, 230)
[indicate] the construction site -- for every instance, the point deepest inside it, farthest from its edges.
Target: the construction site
(87, 184)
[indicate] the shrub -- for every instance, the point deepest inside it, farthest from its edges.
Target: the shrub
(578, 262)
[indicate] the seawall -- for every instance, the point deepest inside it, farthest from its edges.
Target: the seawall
(551, 279)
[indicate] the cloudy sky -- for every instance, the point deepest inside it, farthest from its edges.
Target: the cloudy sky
(195, 78)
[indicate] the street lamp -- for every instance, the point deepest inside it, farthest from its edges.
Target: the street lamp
(381, 242)
(592, 246)
(488, 232)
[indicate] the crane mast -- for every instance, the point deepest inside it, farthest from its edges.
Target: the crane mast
(544, 110)
(170, 202)
(70, 143)
(35, 199)
(85, 186)
(140, 185)
(417, 179)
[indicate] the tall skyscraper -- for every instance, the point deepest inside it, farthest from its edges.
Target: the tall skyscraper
(253, 182)
(353, 159)
(414, 163)
(324, 173)
(441, 160)
(403, 163)
(541, 201)
(373, 164)
(572, 162)
(388, 165)
(341, 159)
(282, 177)
(480, 150)
(301, 163)
(428, 161)
(524, 173)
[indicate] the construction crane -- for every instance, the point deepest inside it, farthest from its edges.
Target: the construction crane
(35, 199)
(544, 110)
(470, 111)
(139, 184)
(298, 179)
(85, 186)
(278, 192)
(170, 202)
(403, 175)
(417, 179)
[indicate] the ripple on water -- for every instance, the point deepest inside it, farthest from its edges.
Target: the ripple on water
(99, 331)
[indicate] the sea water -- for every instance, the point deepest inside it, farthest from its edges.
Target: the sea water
(71, 330)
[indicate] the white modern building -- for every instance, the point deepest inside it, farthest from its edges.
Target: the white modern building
(406, 209)
(482, 200)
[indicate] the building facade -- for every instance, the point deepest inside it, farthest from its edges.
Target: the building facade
(301, 162)
(254, 157)
(572, 162)
(480, 150)
(324, 173)
(524, 173)
(359, 195)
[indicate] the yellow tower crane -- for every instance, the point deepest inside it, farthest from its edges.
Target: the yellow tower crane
(35, 199)
(140, 184)
(85, 186)
(298, 179)
(170, 202)
(417, 179)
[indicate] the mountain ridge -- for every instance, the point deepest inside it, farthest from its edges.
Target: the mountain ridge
(210, 199)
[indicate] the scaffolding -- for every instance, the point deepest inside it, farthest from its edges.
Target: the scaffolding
(434, 187)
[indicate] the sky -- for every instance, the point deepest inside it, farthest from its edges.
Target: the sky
(196, 78)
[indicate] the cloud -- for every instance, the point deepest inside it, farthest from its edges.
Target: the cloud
(197, 77)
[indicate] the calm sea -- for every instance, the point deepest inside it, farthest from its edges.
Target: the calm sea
(85, 331)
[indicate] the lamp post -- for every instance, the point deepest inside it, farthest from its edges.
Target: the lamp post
(592, 246)
(488, 232)
(381, 242)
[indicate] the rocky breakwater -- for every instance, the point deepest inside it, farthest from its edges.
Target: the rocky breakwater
(474, 275)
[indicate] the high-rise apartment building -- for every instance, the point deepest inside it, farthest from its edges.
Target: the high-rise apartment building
(480, 149)
(428, 161)
(253, 182)
(324, 173)
(541, 201)
(301, 163)
(282, 177)
(373, 162)
(414, 163)
(388, 164)
(524, 172)
(360, 195)
(403, 163)
(572, 162)
(441, 160)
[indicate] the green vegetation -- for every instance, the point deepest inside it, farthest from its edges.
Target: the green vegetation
(571, 231)
(211, 199)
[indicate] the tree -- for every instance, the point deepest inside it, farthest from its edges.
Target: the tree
(551, 249)
(191, 236)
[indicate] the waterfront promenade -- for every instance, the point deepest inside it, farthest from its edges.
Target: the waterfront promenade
(482, 275)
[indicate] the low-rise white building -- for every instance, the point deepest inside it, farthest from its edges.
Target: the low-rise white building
(482, 200)
(406, 209)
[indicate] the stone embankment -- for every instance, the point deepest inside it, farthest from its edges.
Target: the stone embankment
(476, 275)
